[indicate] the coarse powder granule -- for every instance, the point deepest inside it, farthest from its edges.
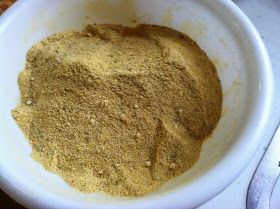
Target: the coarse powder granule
(118, 109)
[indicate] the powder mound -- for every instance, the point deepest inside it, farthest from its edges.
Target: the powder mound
(118, 109)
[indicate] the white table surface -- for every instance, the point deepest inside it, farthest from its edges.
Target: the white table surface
(265, 15)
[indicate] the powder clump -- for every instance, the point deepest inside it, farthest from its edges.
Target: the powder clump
(118, 109)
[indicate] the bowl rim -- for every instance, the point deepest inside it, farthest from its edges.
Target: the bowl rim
(182, 197)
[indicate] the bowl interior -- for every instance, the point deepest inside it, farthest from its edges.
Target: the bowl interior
(204, 21)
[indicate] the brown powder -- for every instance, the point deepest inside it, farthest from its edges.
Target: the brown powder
(117, 109)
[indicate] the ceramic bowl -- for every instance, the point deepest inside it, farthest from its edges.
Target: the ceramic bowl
(221, 30)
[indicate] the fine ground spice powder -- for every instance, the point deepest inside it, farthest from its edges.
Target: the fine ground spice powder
(118, 109)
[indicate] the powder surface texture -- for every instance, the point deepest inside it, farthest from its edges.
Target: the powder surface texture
(117, 109)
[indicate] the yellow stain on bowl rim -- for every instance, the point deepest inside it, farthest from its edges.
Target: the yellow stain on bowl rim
(223, 42)
(86, 12)
(219, 64)
(194, 29)
(234, 88)
(225, 111)
(111, 11)
(167, 17)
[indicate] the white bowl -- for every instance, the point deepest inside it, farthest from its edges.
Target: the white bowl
(220, 29)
